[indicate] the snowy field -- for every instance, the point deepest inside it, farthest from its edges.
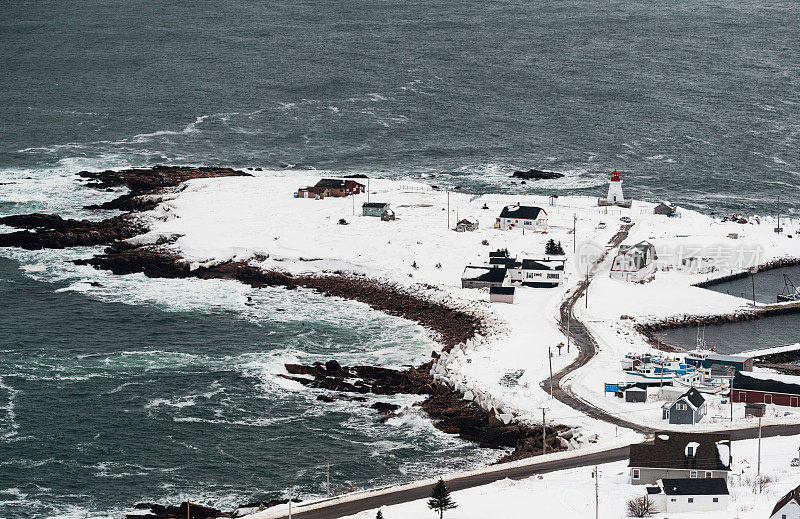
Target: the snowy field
(571, 493)
(240, 218)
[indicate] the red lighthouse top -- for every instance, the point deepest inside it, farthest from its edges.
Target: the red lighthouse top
(615, 176)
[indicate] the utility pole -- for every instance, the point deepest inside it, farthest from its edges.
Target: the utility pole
(448, 208)
(368, 190)
(569, 318)
(574, 239)
(291, 489)
(550, 359)
(759, 445)
(544, 431)
(596, 476)
(188, 513)
(586, 291)
(731, 389)
(753, 283)
(329, 479)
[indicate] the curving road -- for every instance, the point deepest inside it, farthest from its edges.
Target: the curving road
(587, 348)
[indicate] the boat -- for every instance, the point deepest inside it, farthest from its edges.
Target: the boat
(703, 381)
(790, 292)
(633, 360)
(657, 371)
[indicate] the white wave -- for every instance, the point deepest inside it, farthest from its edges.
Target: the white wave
(10, 427)
(188, 129)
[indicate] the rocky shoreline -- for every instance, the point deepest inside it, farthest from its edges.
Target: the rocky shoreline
(451, 326)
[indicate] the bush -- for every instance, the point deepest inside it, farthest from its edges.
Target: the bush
(485, 242)
(641, 507)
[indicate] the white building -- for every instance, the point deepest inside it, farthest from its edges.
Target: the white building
(614, 196)
(634, 262)
(523, 217)
(540, 273)
(690, 495)
(787, 507)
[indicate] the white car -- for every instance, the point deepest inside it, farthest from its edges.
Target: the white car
(601, 225)
(795, 462)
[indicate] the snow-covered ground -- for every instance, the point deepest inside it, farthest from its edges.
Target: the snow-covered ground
(241, 217)
(571, 493)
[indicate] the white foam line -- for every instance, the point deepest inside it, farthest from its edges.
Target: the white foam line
(281, 510)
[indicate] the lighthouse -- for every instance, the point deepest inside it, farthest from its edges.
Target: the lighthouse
(615, 189)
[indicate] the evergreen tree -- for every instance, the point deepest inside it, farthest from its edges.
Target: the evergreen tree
(380, 515)
(440, 499)
(559, 249)
(550, 247)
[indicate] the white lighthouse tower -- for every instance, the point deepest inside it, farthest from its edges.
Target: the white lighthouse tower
(615, 189)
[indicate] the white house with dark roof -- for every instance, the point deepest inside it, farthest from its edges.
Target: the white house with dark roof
(484, 277)
(540, 273)
(674, 455)
(690, 495)
(787, 507)
(522, 217)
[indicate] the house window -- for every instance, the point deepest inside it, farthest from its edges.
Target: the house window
(552, 276)
(691, 500)
(635, 473)
(709, 474)
(673, 499)
(693, 474)
(681, 407)
(716, 500)
(690, 451)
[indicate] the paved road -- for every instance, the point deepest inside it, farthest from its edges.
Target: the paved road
(338, 510)
(587, 347)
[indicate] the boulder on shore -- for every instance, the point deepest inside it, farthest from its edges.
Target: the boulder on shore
(537, 174)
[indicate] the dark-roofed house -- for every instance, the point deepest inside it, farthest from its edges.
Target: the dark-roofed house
(339, 187)
(634, 262)
(480, 277)
(787, 507)
(501, 258)
(664, 208)
(680, 456)
(690, 495)
(766, 388)
(688, 409)
(467, 224)
(522, 216)
(540, 273)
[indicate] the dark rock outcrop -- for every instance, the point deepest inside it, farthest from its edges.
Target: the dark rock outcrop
(537, 174)
(50, 231)
(177, 512)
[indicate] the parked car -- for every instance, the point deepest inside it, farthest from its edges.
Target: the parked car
(795, 462)
(601, 225)
(625, 219)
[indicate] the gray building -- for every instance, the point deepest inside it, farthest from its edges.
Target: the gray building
(688, 409)
(378, 209)
(674, 455)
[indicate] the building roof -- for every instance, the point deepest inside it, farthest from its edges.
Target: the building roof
(529, 264)
(641, 247)
(499, 253)
(523, 212)
(695, 487)
(727, 358)
(376, 205)
(669, 450)
(468, 221)
(694, 397)
(767, 382)
(488, 274)
(792, 495)
(337, 183)
(508, 291)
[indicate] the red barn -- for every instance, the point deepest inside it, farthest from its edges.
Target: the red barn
(766, 388)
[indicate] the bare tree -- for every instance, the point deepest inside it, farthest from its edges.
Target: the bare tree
(641, 506)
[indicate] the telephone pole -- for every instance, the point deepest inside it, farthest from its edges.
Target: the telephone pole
(290, 501)
(569, 318)
(544, 431)
(759, 445)
(448, 208)
(596, 476)
(550, 359)
(574, 238)
(586, 291)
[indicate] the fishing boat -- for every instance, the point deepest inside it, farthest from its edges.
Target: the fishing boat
(657, 371)
(633, 360)
(703, 381)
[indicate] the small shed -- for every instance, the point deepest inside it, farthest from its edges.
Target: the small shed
(691, 495)
(501, 295)
(664, 208)
(483, 277)
(635, 394)
(739, 362)
(467, 225)
(688, 409)
(374, 209)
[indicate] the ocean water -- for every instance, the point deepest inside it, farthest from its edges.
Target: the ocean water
(144, 389)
